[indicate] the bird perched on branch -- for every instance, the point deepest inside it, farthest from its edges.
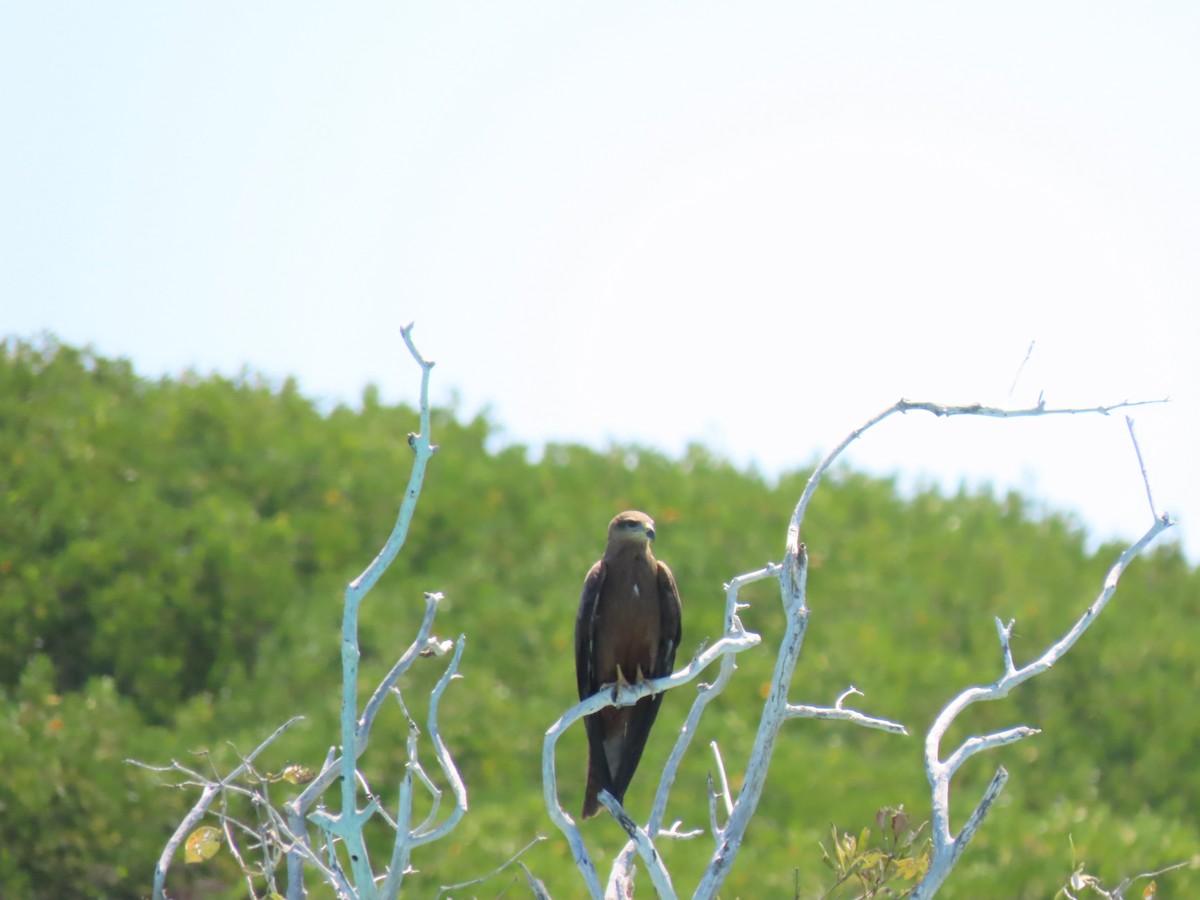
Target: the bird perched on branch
(627, 630)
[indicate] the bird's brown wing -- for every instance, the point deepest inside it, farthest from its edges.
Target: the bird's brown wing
(585, 631)
(598, 775)
(672, 622)
(645, 711)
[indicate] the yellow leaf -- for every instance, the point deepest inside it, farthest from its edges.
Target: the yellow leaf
(298, 775)
(202, 845)
(912, 867)
(1150, 891)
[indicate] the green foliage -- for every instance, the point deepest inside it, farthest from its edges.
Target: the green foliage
(172, 556)
(887, 863)
(75, 819)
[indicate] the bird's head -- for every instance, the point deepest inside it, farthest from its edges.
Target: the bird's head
(631, 526)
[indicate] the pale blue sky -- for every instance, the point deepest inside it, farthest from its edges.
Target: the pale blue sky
(751, 224)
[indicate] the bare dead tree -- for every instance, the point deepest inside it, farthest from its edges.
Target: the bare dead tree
(729, 817)
(338, 851)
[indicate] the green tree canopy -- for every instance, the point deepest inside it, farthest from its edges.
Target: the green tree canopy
(172, 554)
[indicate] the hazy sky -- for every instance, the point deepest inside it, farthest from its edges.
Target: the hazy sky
(749, 224)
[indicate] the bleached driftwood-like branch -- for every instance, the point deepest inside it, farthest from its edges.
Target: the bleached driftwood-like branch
(407, 837)
(423, 644)
(793, 587)
(840, 713)
(210, 790)
(347, 825)
(947, 847)
(340, 857)
(792, 576)
(941, 410)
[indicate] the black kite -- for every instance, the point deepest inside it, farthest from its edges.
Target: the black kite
(627, 630)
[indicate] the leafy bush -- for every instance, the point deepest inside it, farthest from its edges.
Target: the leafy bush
(171, 561)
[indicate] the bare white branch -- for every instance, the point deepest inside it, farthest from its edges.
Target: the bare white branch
(937, 409)
(947, 847)
(449, 770)
(978, 744)
(839, 713)
(726, 798)
(445, 888)
(1005, 633)
(232, 844)
(349, 823)
(211, 789)
(995, 786)
(643, 845)
(674, 832)
(422, 643)
(418, 771)
(288, 832)
(793, 574)
(793, 590)
(1141, 465)
(407, 837)
(712, 808)
(296, 845)
(1021, 368)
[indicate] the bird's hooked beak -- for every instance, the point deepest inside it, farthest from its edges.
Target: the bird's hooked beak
(650, 532)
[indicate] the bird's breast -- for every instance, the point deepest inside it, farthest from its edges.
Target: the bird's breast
(629, 621)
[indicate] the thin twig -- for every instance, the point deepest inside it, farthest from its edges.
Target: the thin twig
(492, 874)
(1142, 465)
(937, 409)
(839, 713)
(1021, 368)
(726, 797)
(210, 791)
